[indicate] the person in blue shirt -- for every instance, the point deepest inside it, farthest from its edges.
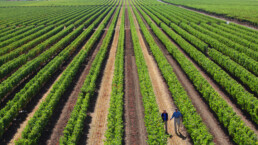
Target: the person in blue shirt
(177, 115)
(164, 117)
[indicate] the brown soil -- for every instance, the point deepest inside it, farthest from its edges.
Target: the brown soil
(220, 136)
(55, 129)
(92, 104)
(66, 111)
(9, 96)
(26, 79)
(224, 95)
(22, 116)
(30, 115)
(98, 125)
(135, 131)
(221, 91)
(162, 93)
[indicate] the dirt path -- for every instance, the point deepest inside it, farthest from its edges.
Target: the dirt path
(220, 137)
(135, 131)
(162, 93)
(246, 24)
(30, 115)
(64, 115)
(209, 119)
(221, 92)
(225, 96)
(98, 125)
(69, 105)
(215, 86)
(55, 128)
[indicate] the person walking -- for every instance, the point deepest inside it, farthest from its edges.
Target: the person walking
(164, 117)
(177, 115)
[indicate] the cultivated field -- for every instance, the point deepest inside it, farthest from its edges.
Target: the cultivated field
(101, 72)
(241, 10)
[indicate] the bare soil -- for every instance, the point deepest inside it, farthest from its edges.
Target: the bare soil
(93, 101)
(162, 93)
(30, 115)
(135, 131)
(15, 90)
(17, 123)
(242, 114)
(69, 105)
(220, 136)
(208, 117)
(54, 130)
(98, 125)
(26, 79)
(24, 115)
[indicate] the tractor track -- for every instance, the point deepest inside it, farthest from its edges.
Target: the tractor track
(163, 96)
(135, 131)
(207, 115)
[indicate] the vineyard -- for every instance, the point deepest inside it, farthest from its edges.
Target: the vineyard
(242, 11)
(103, 71)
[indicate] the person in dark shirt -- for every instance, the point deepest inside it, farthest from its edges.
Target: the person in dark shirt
(164, 117)
(177, 116)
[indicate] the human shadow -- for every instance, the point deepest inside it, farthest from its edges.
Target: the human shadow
(180, 135)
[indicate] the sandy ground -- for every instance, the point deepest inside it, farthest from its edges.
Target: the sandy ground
(226, 97)
(68, 108)
(135, 130)
(23, 125)
(99, 118)
(164, 99)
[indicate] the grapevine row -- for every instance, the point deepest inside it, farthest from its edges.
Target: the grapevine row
(25, 40)
(6, 29)
(31, 44)
(242, 29)
(236, 127)
(115, 127)
(36, 124)
(74, 127)
(7, 85)
(11, 31)
(246, 100)
(29, 38)
(236, 33)
(29, 32)
(231, 40)
(153, 123)
(20, 100)
(192, 120)
(16, 33)
(240, 58)
(245, 76)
